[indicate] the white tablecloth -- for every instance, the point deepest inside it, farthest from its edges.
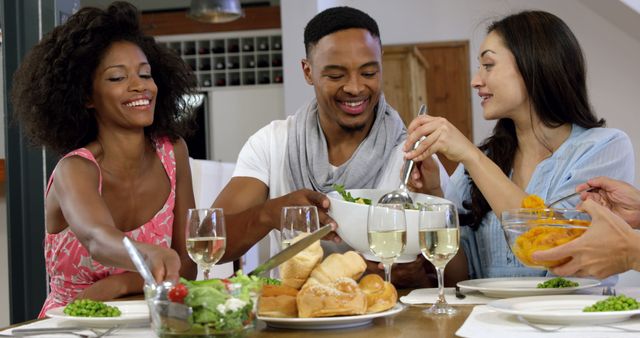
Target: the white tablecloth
(483, 322)
(137, 332)
(430, 295)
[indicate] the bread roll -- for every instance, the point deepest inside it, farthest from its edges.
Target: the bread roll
(339, 298)
(381, 295)
(278, 301)
(295, 271)
(335, 266)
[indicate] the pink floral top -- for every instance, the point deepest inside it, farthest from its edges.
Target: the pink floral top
(70, 267)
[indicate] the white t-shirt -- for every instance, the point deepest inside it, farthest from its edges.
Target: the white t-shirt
(263, 157)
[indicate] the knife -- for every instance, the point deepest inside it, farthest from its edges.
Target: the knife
(291, 251)
(46, 330)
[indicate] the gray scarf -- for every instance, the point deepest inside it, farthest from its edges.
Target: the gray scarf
(308, 158)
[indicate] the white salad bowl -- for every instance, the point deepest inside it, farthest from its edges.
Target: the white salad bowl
(352, 220)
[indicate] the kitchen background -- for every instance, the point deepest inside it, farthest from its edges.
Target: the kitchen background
(609, 32)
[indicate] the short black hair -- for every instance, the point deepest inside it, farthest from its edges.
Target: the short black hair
(336, 19)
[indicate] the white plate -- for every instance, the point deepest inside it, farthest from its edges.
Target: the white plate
(522, 286)
(327, 323)
(135, 311)
(565, 310)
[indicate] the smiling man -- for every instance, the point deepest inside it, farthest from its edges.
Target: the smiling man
(346, 135)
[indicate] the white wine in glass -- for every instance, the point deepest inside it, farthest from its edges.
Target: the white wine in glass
(387, 233)
(206, 237)
(439, 237)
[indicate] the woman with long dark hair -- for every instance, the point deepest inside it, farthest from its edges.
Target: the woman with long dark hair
(546, 140)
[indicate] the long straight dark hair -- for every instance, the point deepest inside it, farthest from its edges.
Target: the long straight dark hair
(552, 66)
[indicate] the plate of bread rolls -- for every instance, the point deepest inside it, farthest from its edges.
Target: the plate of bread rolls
(326, 294)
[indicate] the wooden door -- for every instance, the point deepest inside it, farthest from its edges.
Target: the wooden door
(404, 79)
(448, 85)
(448, 89)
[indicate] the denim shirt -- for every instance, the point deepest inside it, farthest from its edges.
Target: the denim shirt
(587, 153)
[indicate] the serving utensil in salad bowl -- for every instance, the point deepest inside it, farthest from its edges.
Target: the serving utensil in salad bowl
(163, 312)
(401, 195)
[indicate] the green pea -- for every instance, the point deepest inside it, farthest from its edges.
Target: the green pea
(614, 303)
(90, 308)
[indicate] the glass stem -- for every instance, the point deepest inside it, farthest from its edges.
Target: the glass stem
(440, 272)
(387, 271)
(205, 272)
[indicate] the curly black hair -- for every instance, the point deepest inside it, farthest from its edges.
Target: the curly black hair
(54, 82)
(335, 19)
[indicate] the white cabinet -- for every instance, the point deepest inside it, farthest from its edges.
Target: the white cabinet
(241, 72)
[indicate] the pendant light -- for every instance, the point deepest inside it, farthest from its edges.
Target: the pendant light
(215, 11)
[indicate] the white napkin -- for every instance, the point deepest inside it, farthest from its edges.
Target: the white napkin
(484, 322)
(429, 296)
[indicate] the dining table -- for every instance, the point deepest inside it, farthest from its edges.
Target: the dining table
(409, 322)
(473, 319)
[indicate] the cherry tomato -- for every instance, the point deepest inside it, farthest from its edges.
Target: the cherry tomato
(178, 292)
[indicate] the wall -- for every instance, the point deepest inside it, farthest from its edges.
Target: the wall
(611, 53)
(4, 250)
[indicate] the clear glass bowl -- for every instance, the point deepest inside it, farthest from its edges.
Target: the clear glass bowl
(531, 230)
(170, 319)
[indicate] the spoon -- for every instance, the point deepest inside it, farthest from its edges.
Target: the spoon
(550, 205)
(401, 195)
(164, 313)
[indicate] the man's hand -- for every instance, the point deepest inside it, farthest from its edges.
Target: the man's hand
(621, 197)
(609, 246)
(425, 178)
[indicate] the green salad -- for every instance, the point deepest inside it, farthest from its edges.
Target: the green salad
(224, 305)
(348, 197)
(360, 200)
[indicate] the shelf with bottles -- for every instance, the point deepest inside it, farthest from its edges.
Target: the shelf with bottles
(244, 58)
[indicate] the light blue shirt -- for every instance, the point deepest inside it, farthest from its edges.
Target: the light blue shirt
(587, 153)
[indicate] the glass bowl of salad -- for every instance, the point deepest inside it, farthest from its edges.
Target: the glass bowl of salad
(204, 308)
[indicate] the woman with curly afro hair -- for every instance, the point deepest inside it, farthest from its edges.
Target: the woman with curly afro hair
(110, 101)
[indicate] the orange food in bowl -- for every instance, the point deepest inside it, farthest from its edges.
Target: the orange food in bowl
(533, 202)
(543, 229)
(544, 237)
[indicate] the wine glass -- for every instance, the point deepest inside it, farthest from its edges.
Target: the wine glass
(206, 237)
(296, 220)
(387, 233)
(439, 235)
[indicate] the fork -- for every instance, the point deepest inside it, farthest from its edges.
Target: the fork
(608, 291)
(108, 332)
(570, 196)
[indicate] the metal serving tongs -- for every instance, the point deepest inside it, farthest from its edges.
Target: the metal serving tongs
(401, 195)
(564, 198)
(167, 314)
